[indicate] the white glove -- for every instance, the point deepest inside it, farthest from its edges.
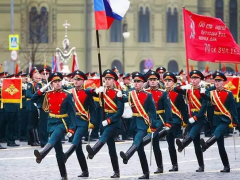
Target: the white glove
(44, 88)
(191, 120)
(188, 86)
(119, 94)
(24, 86)
(0, 84)
(202, 91)
(104, 123)
(99, 90)
(202, 84)
(166, 128)
(69, 134)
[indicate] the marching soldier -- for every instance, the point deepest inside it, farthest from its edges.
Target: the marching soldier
(161, 71)
(32, 109)
(197, 107)
(126, 88)
(179, 117)
(164, 117)
(225, 116)
(85, 111)
(144, 112)
(113, 108)
(60, 106)
(43, 116)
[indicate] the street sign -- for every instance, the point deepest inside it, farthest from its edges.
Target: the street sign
(13, 42)
(14, 55)
(148, 63)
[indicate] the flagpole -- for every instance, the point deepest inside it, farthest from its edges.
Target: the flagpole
(100, 72)
(187, 62)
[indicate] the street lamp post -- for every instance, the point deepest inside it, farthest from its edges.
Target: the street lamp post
(125, 35)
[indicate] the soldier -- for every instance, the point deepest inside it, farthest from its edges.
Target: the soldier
(161, 71)
(144, 112)
(2, 114)
(164, 117)
(32, 109)
(197, 107)
(11, 111)
(43, 116)
(126, 88)
(179, 117)
(113, 108)
(85, 112)
(60, 106)
(225, 116)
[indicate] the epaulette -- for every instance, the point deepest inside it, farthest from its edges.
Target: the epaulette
(66, 91)
(49, 91)
(146, 89)
(163, 90)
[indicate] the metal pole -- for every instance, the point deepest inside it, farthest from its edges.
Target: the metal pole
(123, 54)
(12, 27)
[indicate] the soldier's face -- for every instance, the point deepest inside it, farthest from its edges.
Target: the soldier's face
(138, 84)
(168, 83)
(218, 83)
(57, 85)
(45, 75)
(195, 81)
(78, 82)
(127, 81)
(161, 75)
(153, 82)
(109, 82)
(24, 79)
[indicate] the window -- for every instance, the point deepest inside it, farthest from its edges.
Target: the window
(142, 67)
(219, 9)
(38, 25)
(172, 25)
(118, 65)
(144, 25)
(173, 66)
(116, 31)
(233, 19)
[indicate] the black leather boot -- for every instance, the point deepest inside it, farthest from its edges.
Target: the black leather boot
(69, 152)
(173, 157)
(115, 166)
(84, 174)
(62, 169)
(146, 140)
(226, 168)
(200, 162)
(208, 143)
(42, 153)
(2, 147)
(93, 150)
(184, 143)
(126, 156)
(159, 170)
(36, 136)
(162, 134)
(33, 141)
(145, 176)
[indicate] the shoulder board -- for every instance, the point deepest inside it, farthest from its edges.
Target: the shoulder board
(163, 90)
(115, 89)
(49, 91)
(39, 82)
(146, 89)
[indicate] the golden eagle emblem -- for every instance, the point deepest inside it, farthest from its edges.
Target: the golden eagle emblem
(12, 89)
(229, 86)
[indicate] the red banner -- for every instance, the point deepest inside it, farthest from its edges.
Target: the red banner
(92, 83)
(232, 84)
(11, 91)
(209, 39)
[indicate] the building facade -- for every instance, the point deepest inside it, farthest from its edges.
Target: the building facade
(155, 27)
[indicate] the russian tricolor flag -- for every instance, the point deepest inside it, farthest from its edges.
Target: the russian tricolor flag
(106, 11)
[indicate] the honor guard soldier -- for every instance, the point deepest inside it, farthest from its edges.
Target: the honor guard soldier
(43, 116)
(11, 114)
(225, 117)
(113, 108)
(144, 112)
(164, 117)
(85, 112)
(126, 88)
(179, 116)
(161, 71)
(60, 106)
(197, 107)
(23, 111)
(32, 109)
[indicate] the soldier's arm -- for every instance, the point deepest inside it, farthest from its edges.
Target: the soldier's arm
(29, 93)
(90, 91)
(167, 108)
(71, 111)
(118, 114)
(36, 96)
(180, 91)
(233, 108)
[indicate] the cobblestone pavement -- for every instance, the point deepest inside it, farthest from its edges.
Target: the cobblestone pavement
(19, 163)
